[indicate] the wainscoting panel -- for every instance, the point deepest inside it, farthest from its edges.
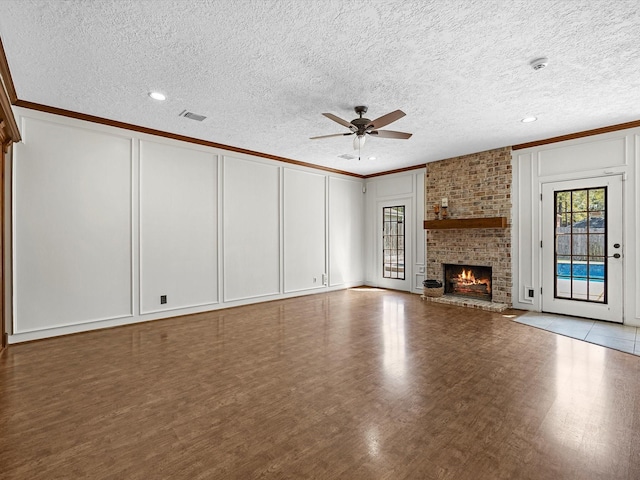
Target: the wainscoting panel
(114, 227)
(591, 154)
(304, 230)
(178, 227)
(72, 226)
(251, 232)
(346, 231)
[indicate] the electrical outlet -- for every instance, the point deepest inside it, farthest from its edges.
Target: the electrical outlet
(163, 299)
(445, 202)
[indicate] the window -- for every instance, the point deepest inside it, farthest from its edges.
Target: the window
(580, 244)
(393, 242)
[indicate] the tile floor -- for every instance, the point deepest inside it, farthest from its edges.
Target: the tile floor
(610, 335)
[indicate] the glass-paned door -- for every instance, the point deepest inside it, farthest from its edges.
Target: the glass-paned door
(582, 254)
(393, 245)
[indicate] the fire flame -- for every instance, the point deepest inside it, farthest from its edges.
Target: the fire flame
(468, 278)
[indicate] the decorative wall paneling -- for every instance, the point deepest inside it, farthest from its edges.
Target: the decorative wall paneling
(304, 230)
(73, 260)
(178, 227)
(107, 221)
(251, 229)
(346, 232)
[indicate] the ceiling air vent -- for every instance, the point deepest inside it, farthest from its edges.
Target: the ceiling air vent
(192, 116)
(347, 156)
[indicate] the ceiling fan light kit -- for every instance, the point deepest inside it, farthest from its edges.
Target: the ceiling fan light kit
(361, 127)
(358, 142)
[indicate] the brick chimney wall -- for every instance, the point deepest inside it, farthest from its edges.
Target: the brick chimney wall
(476, 186)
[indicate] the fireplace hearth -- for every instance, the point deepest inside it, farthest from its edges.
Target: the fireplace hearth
(472, 281)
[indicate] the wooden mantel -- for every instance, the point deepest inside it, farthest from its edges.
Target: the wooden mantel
(450, 223)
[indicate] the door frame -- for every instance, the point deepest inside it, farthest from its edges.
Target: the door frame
(3, 219)
(9, 134)
(613, 310)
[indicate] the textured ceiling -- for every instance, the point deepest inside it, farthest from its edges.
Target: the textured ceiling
(264, 71)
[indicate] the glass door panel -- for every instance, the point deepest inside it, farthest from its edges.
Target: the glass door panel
(393, 231)
(580, 244)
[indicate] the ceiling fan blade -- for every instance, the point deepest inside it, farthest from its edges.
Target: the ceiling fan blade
(385, 119)
(339, 120)
(332, 135)
(390, 134)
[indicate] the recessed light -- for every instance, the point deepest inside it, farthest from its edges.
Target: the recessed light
(529, 119)
(372, 158)
(157, 96)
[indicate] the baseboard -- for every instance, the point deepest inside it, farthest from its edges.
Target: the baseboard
(63, 330)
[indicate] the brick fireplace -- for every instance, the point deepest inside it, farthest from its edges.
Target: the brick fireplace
(477, 187)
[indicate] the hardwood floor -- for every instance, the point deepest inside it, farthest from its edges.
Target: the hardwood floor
(353, 384)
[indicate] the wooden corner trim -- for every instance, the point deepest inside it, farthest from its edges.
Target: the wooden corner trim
(160, 133)
(573, 136)
(5, 73)
(9, 131)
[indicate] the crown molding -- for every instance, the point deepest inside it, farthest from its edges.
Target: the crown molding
(573, 136)
(160, 133)
(397, 170)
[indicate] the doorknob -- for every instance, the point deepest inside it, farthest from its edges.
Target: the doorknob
(616, 245)
(615, 255)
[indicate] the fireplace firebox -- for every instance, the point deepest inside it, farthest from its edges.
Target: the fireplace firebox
(471, 281)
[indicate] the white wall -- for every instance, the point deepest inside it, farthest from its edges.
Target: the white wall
(615, 153)
(106, 220)
(406, 186)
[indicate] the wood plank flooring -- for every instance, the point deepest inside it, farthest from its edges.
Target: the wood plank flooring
(355, 384)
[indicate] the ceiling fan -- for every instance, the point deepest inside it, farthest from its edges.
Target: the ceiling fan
(361, 127)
